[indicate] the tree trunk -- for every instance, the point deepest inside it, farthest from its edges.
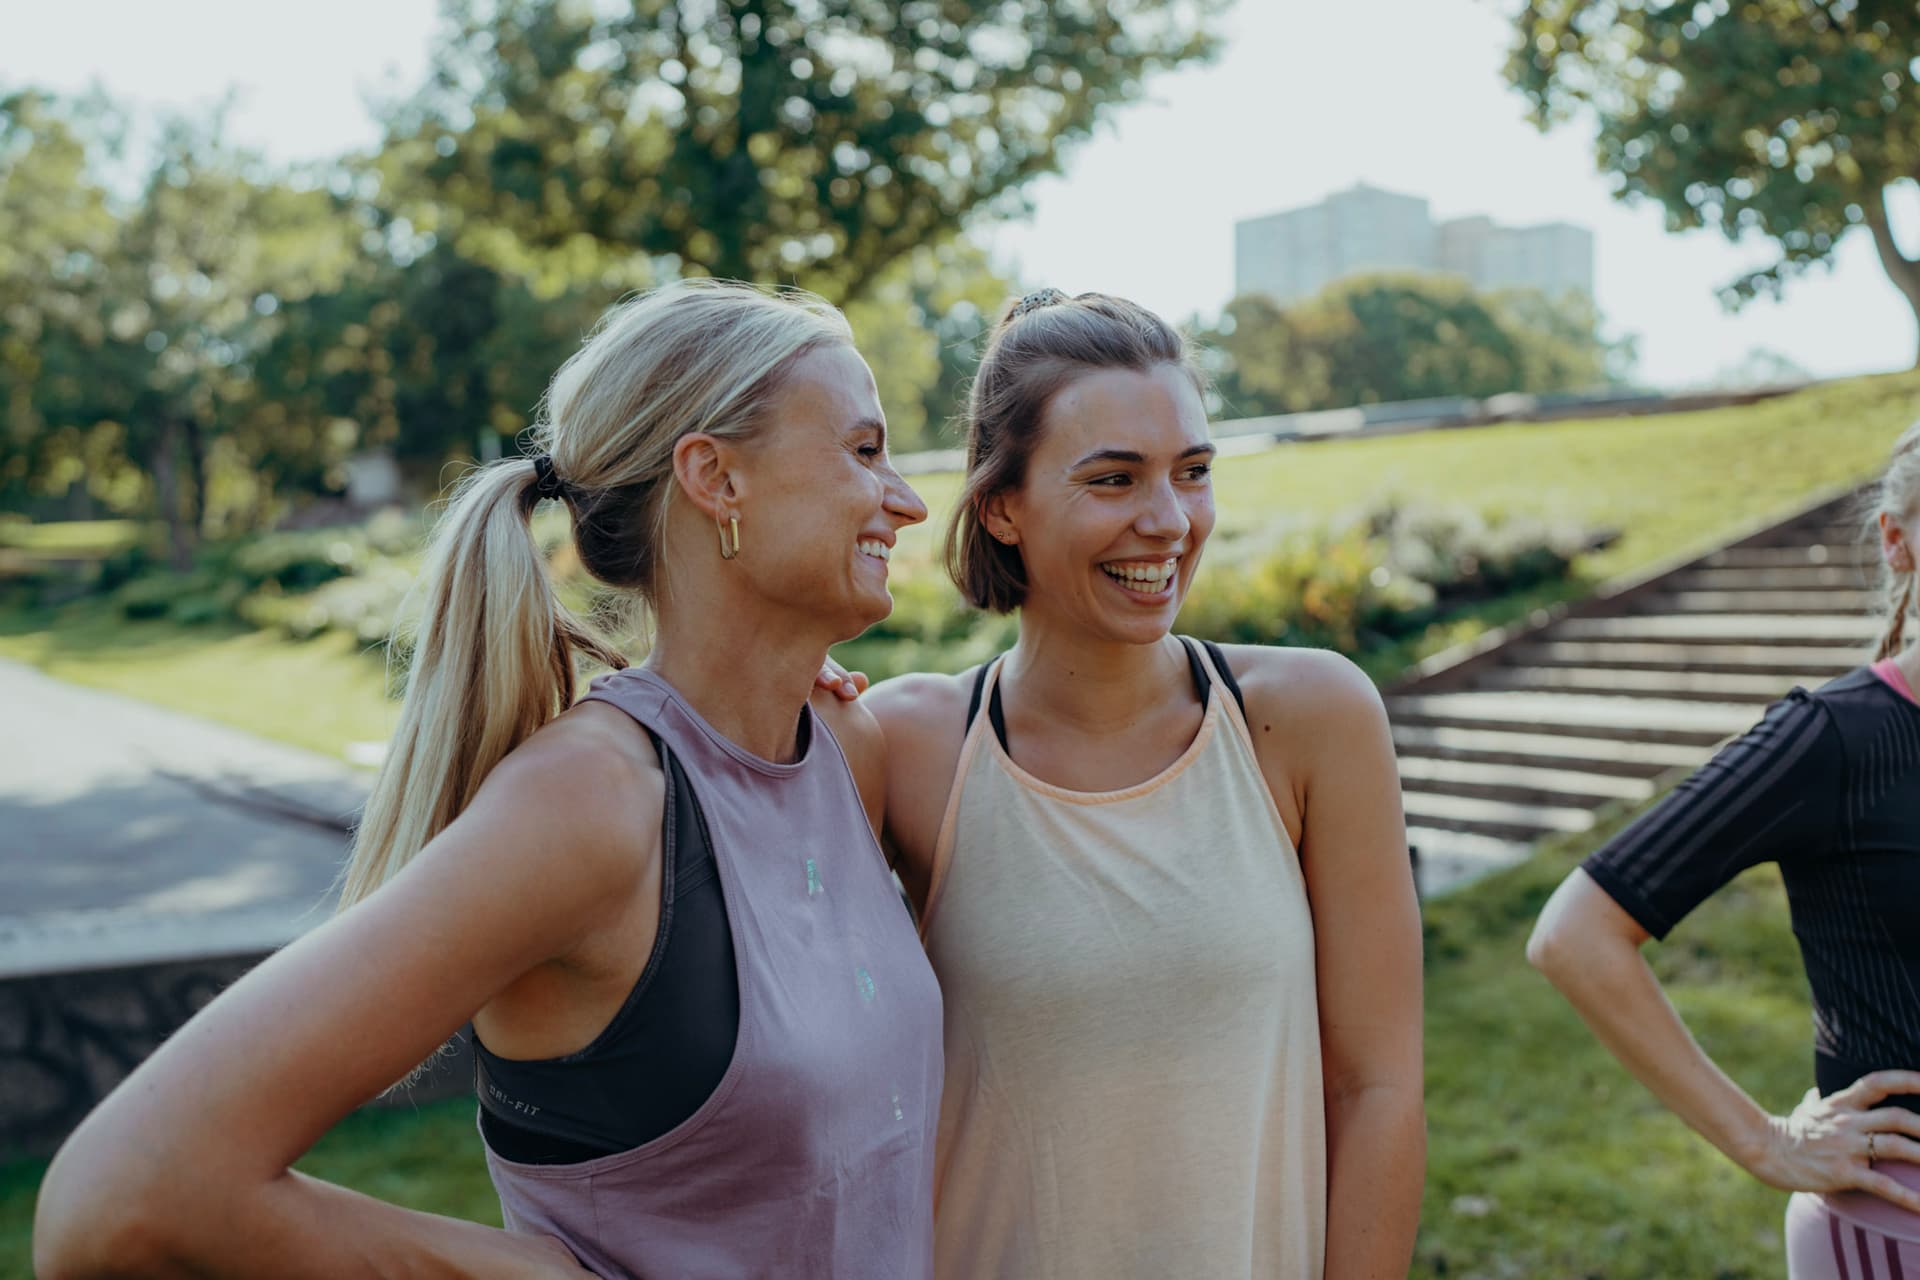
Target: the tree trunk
(195, 515)
(1902, 270)
(166, 487)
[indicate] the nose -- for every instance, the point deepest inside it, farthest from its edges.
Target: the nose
(1163, 515)
(903, 504)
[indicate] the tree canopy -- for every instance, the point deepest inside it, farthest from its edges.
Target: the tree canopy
(1381, 338)
(804, 141)
(1790, 118)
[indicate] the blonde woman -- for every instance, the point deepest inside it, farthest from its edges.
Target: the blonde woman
(708, 1041)
(1165, 885)
(1827, 786)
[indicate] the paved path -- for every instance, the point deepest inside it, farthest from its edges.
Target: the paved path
(131, 834)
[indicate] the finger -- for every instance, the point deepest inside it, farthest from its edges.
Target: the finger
(1887, 1189)
(860, 681)
(1871, 1088)
(829, 677)
(1893, 1146)
(847, 690)
(1892, 1120)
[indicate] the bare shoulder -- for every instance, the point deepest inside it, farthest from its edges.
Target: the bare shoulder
(851, 723)
(910, 707)
(586, 789)
(1301, 689)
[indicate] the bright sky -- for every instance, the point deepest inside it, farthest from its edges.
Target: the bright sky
(1309, 98)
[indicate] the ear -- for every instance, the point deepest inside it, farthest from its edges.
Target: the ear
(998, 520)
(707, 470)
(1894, 547)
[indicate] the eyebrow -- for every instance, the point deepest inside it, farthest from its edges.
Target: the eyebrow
(869, 424)
(1128, 455)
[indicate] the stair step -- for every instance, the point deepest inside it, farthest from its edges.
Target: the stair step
(1620, 757)
(1812, 577)
(1846, 557)
(1702, 686)
(1763, 629)
(1501, 818)
(1529, 784)
(1638, 719)
(1777, 602)
(1730, 658)
(1449, 859)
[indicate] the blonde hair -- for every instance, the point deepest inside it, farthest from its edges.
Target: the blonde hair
(493, 657)
(1898, 496)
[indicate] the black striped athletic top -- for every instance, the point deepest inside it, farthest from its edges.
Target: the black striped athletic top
(1827, 785)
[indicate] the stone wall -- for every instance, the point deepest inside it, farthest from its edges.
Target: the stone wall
(66, 1039)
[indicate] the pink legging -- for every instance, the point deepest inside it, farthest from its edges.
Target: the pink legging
(1853, 1235)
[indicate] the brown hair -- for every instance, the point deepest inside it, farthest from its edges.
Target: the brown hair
(1898, 495)
(1041, 343)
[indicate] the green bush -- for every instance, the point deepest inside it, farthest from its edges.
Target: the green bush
(1387, 575)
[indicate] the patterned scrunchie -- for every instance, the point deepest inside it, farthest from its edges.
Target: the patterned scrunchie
(1035, 301)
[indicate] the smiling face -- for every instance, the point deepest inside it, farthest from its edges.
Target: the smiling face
(1116, 505)
(819, 502)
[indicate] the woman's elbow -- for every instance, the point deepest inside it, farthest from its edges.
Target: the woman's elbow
(90, 1223)
(1546, 946)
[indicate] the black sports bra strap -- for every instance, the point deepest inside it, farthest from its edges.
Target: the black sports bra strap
(979, 683)
(1195, 668)
(1226, 674)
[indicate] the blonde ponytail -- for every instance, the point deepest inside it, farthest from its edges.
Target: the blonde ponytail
(492, 661)
(1899, 498)
(494, 657)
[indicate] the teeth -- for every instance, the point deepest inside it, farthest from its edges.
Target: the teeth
(1146, 576)
(875, 548)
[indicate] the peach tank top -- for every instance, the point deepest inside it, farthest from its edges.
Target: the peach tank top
(1133, 1084)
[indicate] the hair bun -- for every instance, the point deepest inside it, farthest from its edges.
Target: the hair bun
(1035, 301)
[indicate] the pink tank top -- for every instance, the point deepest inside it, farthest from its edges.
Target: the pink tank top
(814, 1156)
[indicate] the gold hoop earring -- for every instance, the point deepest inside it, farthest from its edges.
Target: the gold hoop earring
(733, 525)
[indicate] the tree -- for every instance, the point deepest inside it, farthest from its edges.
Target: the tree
(804, 141)
(144, 315)
(1792, 118)
(921, 328)
(1377, 339)
(55, 231)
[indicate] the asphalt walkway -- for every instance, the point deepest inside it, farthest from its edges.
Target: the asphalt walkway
(131, 834)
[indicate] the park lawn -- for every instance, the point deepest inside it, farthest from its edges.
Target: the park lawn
(76, 538)
(1546, 1159)
(322, 694)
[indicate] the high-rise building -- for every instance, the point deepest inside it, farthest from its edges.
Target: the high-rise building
(1297, 253)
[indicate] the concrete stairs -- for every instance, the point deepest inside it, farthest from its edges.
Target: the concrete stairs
(1536, 730)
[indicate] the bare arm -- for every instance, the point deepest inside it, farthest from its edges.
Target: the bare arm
(1323, 737)
(185, 1169)
(922, 720)
(1589, 948)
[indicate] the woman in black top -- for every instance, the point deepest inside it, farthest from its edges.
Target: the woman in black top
(1828, 787)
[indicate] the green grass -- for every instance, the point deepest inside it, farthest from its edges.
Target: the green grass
(321, 694)
(75, 538)
(1547, 1159)
(1670, 483)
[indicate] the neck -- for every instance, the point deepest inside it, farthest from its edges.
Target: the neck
(748, 676)
(1095, 685)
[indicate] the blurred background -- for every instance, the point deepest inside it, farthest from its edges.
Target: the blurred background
(1534, 327)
